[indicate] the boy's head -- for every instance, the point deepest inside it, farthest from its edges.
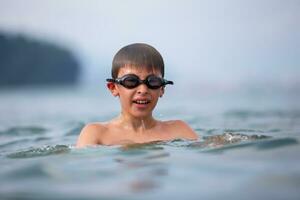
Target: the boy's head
(138, 55)
(137, 79)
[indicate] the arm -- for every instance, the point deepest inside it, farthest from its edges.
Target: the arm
(89, 135)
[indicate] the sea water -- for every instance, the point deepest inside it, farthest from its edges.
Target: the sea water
(248, 148)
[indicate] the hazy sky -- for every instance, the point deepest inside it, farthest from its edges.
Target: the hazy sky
(223, 43)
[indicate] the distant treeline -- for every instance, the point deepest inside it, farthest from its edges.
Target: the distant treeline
(25, 61)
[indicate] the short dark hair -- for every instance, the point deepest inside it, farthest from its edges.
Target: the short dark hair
(137, 55)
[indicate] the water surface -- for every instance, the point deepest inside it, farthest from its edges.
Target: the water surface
(249, 149)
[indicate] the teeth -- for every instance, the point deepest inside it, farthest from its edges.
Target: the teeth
(141, 101)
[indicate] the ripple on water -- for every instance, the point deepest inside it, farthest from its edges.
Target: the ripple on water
(23, 130)
(261, 114)
(75, 129)
(275, 143)
(14, 142)
(30, 170)
(41, 151)
(243, 131)
(221, 143)
(226, 139)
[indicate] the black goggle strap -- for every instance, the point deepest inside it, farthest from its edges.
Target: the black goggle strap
(166, 82)
(112, 80)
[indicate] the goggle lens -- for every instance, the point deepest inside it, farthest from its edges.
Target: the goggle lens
(130, 82)
(154, 82)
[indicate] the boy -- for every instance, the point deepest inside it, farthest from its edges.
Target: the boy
(137, 79)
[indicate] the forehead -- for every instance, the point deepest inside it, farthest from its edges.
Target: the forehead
(141, 72)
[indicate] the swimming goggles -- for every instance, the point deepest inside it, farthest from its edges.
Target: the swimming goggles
(131, 81)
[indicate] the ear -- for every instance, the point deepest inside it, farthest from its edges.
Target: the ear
(113, 89)
(161, 91)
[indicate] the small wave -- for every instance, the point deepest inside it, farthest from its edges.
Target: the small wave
(243, 131)
(228, 138)
(42, 139)
(225, 139)
(259, 145)
(216, 131)
(280, 142)
(211, 131)
(220, 143)
(23, 130)
(12, 143)
(42, 151)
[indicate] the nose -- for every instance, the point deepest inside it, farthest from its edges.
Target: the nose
(142, 89)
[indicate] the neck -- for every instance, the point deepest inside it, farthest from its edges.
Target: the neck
(137, 124)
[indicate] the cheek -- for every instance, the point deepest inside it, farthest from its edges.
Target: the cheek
(125, 97)
(155, 95)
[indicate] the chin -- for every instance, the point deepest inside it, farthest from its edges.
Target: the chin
(141, 114)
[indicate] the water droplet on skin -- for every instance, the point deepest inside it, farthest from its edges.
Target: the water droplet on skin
(143, 125)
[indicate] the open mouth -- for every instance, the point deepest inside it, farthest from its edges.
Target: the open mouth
(142, 102)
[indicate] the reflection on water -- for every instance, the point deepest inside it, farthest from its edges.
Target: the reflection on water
(251, 153)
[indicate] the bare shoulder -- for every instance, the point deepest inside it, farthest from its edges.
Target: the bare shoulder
(91, 134)
(182, 129)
